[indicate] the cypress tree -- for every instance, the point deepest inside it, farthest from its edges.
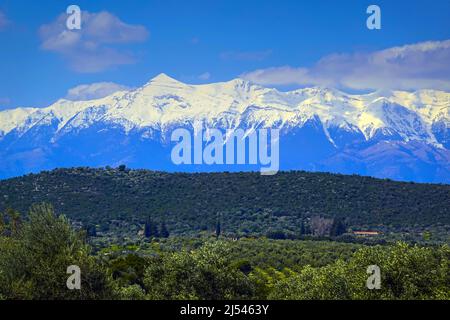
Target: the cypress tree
(150, 228)
(218, 226)
(337, 228)
(163, 231)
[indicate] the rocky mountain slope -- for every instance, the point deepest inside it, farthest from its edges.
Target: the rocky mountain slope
(387, 134)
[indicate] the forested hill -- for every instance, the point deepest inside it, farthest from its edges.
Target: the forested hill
(244, 202)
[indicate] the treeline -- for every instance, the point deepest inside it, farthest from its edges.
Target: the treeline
(153, 230)
(285, 205)
(36, 251)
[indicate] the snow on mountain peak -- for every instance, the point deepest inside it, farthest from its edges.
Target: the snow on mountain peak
(165, 101)
(10, 119)
(163, 79)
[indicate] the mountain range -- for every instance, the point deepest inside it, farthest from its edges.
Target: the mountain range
(386, 134)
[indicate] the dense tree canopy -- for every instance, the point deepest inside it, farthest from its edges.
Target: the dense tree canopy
(206, 273)
(284, 205)
(407, 272)
(35, 257)
(36, 249)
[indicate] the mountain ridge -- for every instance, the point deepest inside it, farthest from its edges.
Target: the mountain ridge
(306, 102)
(147, 115)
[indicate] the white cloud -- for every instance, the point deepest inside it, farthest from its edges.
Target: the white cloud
(5, 103)
(411, 67)
(4, 100)
(3, 20)
(246, 55)
(204, 76)
(96, 47)
(94, 91)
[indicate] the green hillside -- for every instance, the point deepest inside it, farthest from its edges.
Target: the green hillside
(244, 203)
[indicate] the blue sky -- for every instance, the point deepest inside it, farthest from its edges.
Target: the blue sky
(279, 43)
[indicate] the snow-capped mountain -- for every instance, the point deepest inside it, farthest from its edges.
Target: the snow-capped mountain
(394, 134)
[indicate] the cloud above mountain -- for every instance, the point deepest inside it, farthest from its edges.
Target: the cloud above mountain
(424, 65)
(3, 20)
(4, 101)
(246, 55)
(99, 45)
(204, 76)
(94, 91)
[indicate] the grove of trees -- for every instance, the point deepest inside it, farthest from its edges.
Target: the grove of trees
(36, 249)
